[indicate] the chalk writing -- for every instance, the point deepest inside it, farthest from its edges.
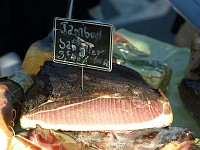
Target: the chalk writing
(83, 43)
(80, 32)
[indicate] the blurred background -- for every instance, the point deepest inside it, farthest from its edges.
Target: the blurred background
(154, 18)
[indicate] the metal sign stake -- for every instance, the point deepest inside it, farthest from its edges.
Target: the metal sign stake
(82, 79)
(70, 8)
(86, 44)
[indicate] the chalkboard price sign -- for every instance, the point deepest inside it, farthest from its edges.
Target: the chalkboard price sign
(83, 43)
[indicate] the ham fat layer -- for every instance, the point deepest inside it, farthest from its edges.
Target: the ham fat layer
(103, 113)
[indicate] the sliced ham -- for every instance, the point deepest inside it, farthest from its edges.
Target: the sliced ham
(116, 100)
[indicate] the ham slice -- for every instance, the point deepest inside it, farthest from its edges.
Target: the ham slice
(116, 100)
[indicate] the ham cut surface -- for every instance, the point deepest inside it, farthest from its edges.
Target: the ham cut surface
(116, 100)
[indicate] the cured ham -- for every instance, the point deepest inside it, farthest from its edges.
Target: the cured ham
(168, 138)
(17, 94)
(10, 96)
(116, 100)
(6, 117)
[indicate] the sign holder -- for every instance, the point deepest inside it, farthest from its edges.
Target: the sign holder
(69, 14)
(70, 8)
(83, 43)
(71, 3)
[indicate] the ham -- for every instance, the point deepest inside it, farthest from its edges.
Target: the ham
(17, 93)
(168, 138)
(10, 96)
(116, 100)
(6, 117)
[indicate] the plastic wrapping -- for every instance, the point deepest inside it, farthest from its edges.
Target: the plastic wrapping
(156, 73)
(24, 80)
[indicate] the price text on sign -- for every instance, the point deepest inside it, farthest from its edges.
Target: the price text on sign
(83, 43)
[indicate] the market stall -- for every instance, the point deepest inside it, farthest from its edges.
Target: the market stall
(88, 86)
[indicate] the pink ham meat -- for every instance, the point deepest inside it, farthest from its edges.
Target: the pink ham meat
(116, 100)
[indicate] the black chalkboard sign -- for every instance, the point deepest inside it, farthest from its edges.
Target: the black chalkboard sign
(83, 43)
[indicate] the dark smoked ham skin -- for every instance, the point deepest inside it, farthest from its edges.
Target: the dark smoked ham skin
(116, 100)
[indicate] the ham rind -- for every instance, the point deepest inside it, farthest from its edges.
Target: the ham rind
(119, 100)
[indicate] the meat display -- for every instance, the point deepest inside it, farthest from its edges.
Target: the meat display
(11, 95)
(71, 108)
(6, 117)
(116, 100)
(169, 138)
(17, 93)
